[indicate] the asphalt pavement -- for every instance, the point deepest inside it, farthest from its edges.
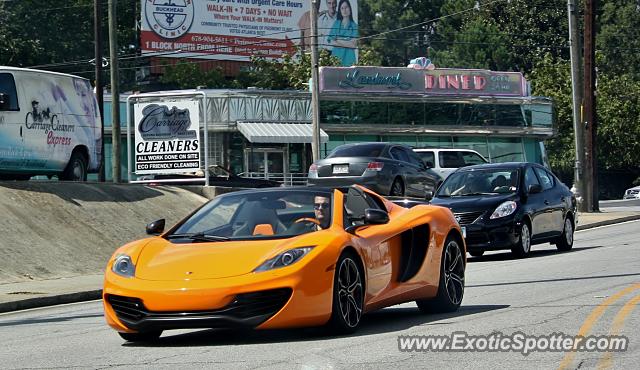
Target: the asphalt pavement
(86, 287)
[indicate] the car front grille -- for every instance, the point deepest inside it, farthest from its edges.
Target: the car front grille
(249, 308)
(465, 218)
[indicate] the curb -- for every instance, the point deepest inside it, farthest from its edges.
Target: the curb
(51, 300)
(608, 222)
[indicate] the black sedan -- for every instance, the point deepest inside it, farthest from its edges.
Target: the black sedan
(386, 168)
(218, 176)
(510, 206)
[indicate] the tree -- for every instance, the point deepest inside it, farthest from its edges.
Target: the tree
(187, 75)
(479, 44)
(618, 38)
(290, 73)
(552, 77)
(396, 48)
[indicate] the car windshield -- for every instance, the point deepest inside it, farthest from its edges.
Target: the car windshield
(364, 150)
(480, 181)
(258, 215)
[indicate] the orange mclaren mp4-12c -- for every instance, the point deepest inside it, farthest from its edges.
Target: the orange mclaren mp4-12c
(282, 258)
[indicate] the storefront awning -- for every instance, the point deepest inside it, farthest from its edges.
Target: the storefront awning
(279, 133)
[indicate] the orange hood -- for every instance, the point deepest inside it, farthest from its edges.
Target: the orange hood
(162, 260)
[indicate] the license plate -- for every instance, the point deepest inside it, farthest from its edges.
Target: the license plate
(340, 168)
(464, 232)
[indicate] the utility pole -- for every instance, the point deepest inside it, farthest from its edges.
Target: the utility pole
(591, 172)
(315, 83)
(576, 88)
(97, 32)
(115, 96)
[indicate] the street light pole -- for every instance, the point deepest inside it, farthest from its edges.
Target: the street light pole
(576, 88)
(115, 97)
(315, 83)
(97, 13)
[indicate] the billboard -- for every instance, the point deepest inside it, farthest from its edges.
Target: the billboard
(167, 137)
(237, 29)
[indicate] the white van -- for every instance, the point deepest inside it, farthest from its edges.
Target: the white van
(446, 160)
(49, 125)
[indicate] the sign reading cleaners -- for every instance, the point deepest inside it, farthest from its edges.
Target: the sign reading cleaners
(167, 137)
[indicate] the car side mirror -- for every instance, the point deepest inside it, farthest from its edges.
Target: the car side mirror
(156, 227)
(374, 216)
(429, 164)
(428, 195)
(534, 189)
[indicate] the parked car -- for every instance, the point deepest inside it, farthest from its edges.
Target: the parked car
(259, 258)
(386, 168)
(633, 193)
(218, 176)
(446, 161)
(510, 206)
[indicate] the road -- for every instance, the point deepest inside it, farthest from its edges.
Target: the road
(544, 294)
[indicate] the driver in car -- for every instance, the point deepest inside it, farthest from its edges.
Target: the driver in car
(322, 212)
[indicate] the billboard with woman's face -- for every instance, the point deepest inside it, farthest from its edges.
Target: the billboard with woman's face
(235, 30)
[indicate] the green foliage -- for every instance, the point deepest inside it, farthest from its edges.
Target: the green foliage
(618, 38)
(398, 47)
(290, 73)
(186, 75)
(552, 78)
(479, 44)
(618, 111)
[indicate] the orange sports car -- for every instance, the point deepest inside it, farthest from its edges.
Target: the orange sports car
(285, 257)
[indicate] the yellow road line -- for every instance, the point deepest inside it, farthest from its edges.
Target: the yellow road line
(592, 318)
(618, 322)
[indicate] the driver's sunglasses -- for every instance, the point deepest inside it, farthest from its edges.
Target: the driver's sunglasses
(321, 205)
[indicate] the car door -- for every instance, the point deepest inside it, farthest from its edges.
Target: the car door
(427, 177)
(535, 205)
(408, 171)
(554, 201)
(373, 243)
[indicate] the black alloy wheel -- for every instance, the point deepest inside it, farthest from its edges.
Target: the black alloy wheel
(348, 295)
(451, 285)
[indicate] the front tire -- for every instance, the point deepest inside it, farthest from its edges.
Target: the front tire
(451, 285)
(523, 246)
(565, 241)
(76, 169)
(348, 295)
(147, 336)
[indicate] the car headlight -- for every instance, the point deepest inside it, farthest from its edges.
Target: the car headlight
(123, 266)
(504, 209)
(284, 259)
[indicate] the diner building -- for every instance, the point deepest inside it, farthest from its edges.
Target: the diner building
(264, 133)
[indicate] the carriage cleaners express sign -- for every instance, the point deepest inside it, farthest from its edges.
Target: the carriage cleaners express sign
(468, 82)
(167, 137)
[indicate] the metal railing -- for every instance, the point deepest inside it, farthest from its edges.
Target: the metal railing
(288, 178)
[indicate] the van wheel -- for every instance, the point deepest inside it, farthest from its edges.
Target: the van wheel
(76, 168)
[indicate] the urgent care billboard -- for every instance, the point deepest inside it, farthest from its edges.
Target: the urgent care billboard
(235, 29)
